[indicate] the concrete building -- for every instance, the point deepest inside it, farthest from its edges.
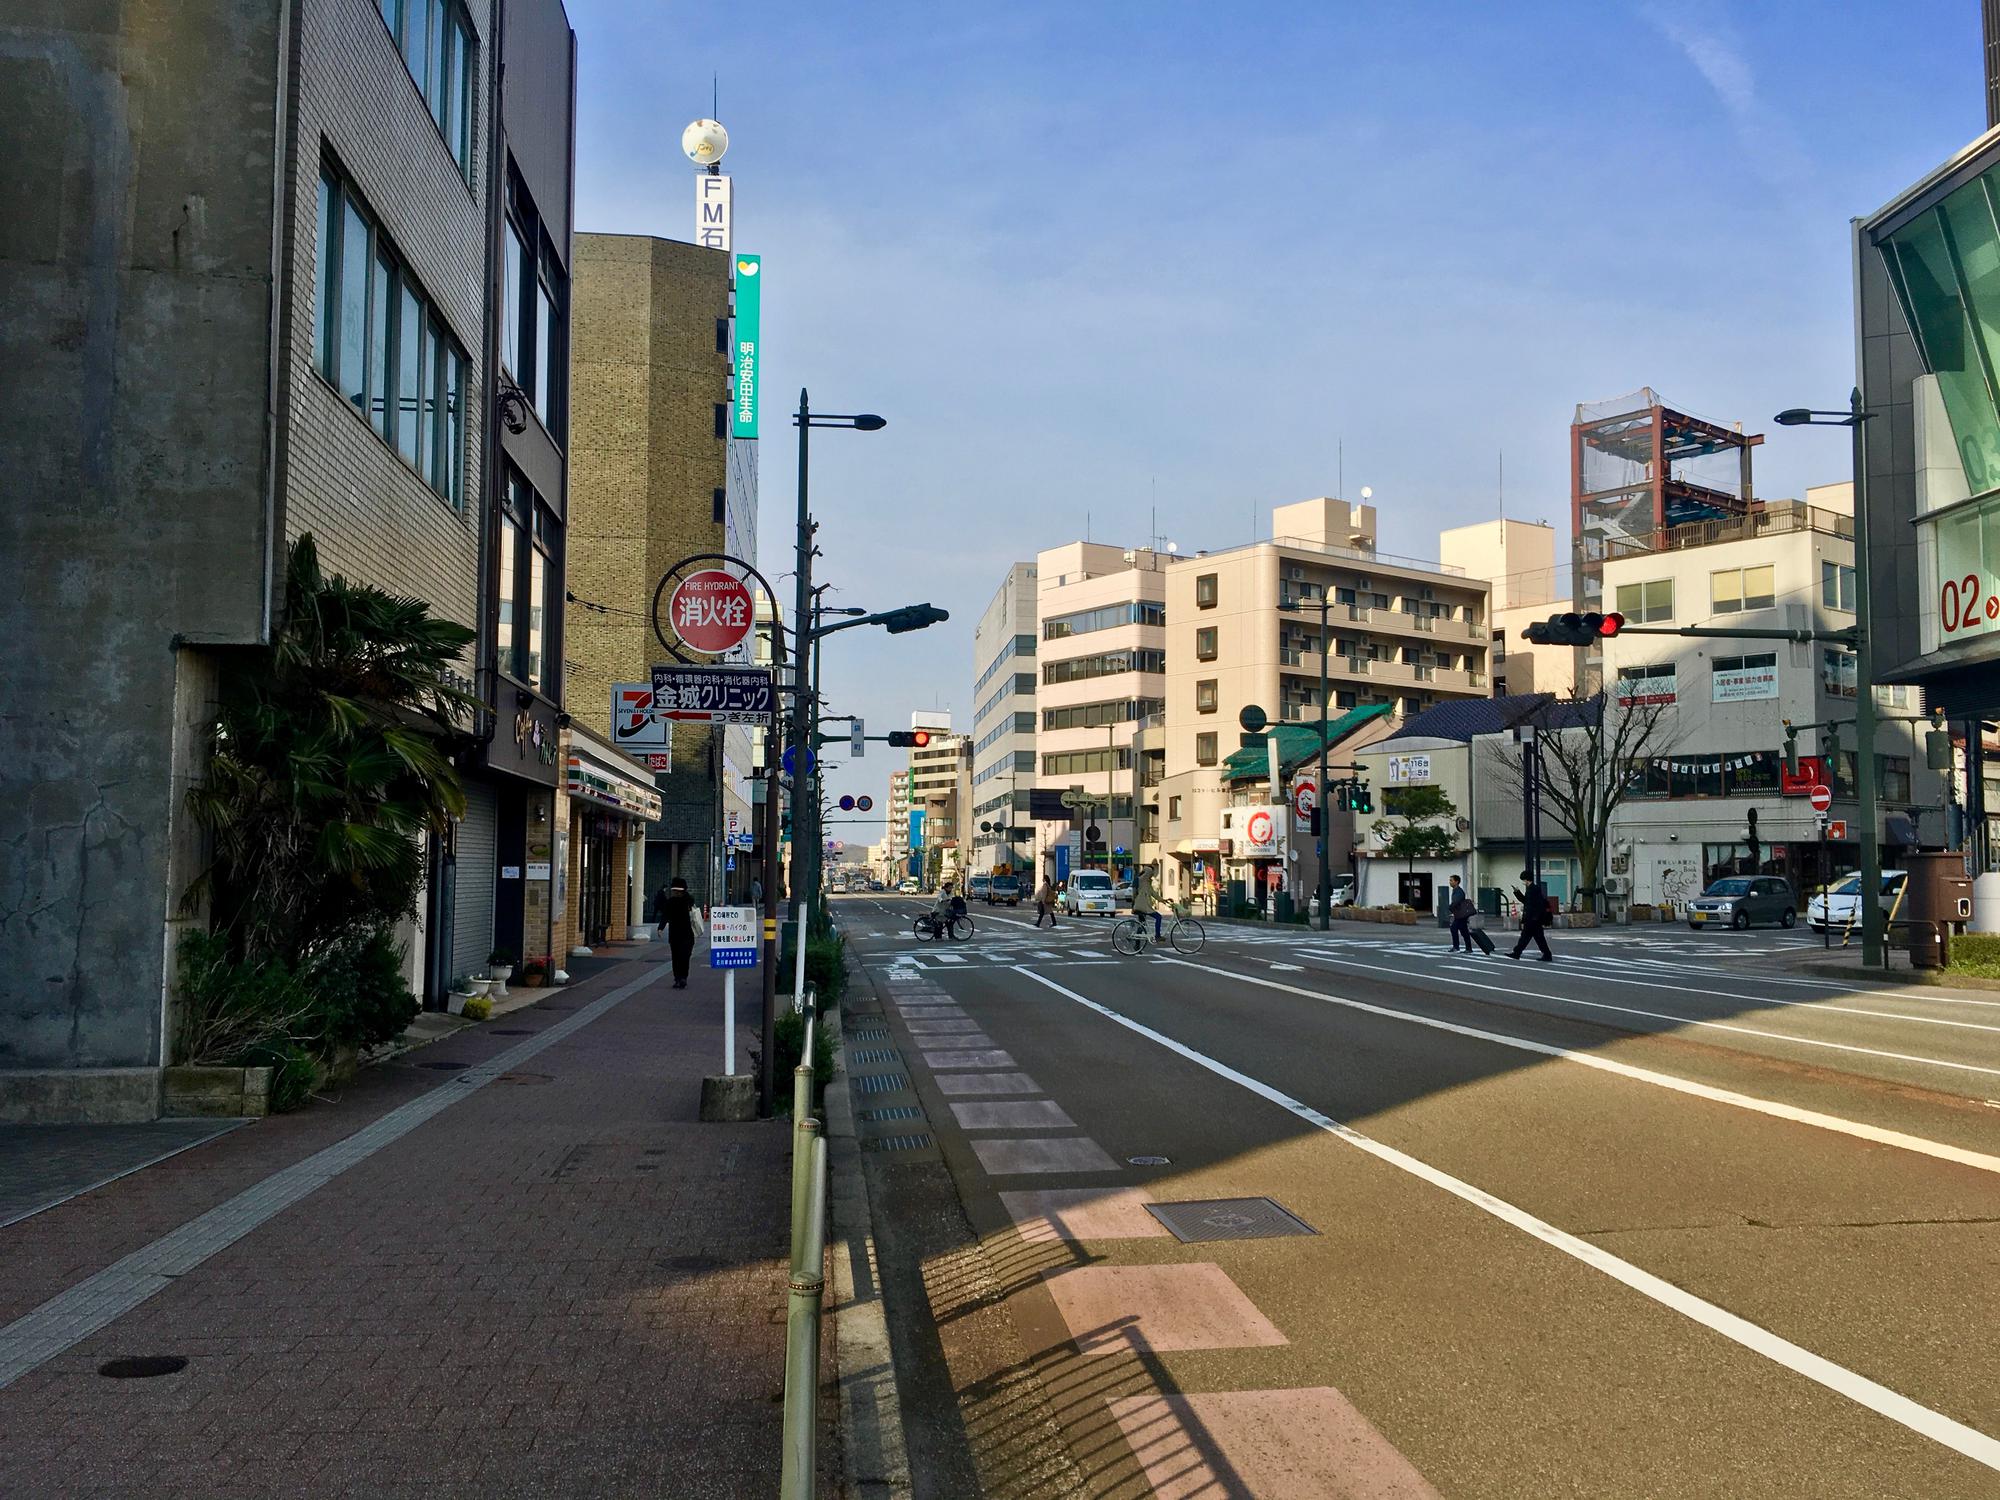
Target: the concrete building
(897, 844)
(1004, 724)
(1715, 783)
(1517, 559)
(940, 788)
(1103, 626)
(656, 479)
(245, 303)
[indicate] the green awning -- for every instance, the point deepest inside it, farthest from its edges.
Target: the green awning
(1298, 744)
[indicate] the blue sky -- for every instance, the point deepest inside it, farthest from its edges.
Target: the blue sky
(1092, 258)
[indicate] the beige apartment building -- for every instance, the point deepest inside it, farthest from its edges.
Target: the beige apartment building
(1103, 629)
(1401, 634)
(940, 786)
(896, 845)
(1518, 561)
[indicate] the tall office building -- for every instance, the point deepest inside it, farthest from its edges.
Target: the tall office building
(1003, 725)
(249, 303)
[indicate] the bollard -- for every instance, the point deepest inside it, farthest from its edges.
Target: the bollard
(797, 1477)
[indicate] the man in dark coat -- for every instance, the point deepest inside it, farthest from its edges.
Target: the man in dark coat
(676, 913)
(1459, 907)
(1534, 916)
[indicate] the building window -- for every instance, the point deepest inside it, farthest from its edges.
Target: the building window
(1892, 774)
(1837, 672)
(1643, 603)
(1894, 695)
(435, 39)
(1084, 762)
(1204, 749)
(1173, 809)
(1204, 644)
(534, 324)
(721, 420)
(1733, 590)
(1204, 696)
(1204, 591)
(1109, 664)
(721, 506)
(722, 335)
(1097, 715)
(1105, 617)
(530, 579)
(382, 345)
(1836, 586)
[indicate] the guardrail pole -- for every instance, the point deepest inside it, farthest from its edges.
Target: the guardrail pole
(808, 1285)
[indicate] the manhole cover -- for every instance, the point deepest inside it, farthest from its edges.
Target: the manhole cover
(878, 1083)
(525, 1079)
(1228, 1219)
(1150, 1161)
(895, 1143)
(892, 1112)
(142, 1366)
(445, 1067)
(512, 1031)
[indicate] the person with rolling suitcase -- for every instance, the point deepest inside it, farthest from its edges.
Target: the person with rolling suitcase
(1459, 907)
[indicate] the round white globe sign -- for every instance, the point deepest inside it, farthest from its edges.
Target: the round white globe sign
(705, 141)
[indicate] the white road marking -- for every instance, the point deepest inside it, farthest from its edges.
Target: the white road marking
(1777, 1036)
(1858, 1388)
(1293, 967)
(1835, 1123)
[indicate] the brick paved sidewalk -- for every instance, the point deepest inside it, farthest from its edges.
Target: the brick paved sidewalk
(559, 1284)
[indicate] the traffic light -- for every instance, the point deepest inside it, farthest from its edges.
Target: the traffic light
(910, 738)
(913, 617)
(1791, 748)
(1363, 802)
(1574, 629)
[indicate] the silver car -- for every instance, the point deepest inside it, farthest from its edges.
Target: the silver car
(1740, 900)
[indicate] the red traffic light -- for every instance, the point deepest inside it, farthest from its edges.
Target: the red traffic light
(920, 737)
(1610, 625)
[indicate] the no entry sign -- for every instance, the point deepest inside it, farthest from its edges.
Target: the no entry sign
(1821, 798)
(711, 611)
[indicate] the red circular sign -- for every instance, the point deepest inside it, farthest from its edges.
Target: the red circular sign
(1305, 797)
(1258, 828)
(1821, 798)
(711, 611)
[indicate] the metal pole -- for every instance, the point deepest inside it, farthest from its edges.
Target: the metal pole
(1825, 889)
(797, 1476)
(728, 1022)
(818, 851)
(1864, 703)
(803, 823)
(1325, 709)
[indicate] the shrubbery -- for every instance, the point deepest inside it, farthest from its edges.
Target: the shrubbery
(789, 1035)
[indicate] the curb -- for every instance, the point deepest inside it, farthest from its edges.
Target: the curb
(875, 1463)
(1935, 978)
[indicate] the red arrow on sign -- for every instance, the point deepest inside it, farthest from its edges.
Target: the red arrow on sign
(1821, 798)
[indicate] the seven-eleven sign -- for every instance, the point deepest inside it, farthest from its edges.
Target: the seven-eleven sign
(635, 728)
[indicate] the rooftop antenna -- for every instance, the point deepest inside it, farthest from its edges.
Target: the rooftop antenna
(1340, 468)
(1503, 489)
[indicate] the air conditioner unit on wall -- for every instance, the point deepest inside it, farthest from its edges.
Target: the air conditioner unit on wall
(1614, 885)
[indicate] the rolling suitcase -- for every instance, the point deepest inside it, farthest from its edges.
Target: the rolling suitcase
(1479, 936)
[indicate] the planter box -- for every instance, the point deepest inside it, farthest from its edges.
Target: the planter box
(1583, 919)
(215, 1093)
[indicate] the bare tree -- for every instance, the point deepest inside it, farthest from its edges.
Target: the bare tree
(1593, 749)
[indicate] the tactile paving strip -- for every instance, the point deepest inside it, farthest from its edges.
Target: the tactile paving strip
(1228, 1219)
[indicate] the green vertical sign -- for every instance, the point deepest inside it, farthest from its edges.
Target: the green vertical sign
(749, 328)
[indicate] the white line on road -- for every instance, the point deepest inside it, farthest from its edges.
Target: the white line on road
(1878, 1398)
(1514, 992)
(1835, 1123)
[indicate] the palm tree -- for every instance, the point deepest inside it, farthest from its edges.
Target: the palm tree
(329, 759)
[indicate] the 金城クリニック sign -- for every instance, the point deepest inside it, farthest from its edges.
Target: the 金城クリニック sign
(713, 695)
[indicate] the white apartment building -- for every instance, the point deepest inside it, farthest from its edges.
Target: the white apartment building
(1518, 561)
(1004, 653)
(938, 778)
(897, 844)
(1103, 633)
(1689, 815)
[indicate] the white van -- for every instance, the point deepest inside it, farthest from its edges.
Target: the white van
(1089, 892)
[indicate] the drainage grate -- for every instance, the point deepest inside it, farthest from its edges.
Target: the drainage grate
(875, 1055)
(879, 1083)
(892, 1112)
(896, 1143)
(444, 1067)
(1228, 1219)
(142, 1366)
(869, 1034)
(1150, 1161)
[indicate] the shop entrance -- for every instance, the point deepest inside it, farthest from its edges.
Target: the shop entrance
(594, 899)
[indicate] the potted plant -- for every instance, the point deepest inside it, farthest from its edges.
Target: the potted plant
(500, 969)
(455, 998)
(481, 986)
(478, 1008)
(535, 973)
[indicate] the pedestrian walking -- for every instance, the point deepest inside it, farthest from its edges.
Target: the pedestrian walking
(679, 917)
(1459, 907)
(1534, 916)
(756, 892)
(1045, 902)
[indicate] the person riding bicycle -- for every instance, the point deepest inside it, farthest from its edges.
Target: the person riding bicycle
(1142, 901)
(949, 908)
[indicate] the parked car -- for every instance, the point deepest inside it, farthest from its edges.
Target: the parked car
(876, 885)
(1004, 890)
(1741, 900)
(1841, 905)
(908, 886)
(977, 887)
(1121, 892)
(1089, 892)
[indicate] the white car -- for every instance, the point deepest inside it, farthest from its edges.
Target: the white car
(1090, 892)
(908, 886)
(1842, 905)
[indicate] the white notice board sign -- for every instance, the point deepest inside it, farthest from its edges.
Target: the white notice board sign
(732, 937)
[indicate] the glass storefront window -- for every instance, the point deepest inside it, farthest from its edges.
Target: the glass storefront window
(1920, 262)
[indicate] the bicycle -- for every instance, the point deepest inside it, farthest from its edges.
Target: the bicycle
(1133, 935)
(927, 928)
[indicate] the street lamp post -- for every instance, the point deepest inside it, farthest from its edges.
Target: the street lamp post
(805, 804)
(1325, 860)
(1854, 419)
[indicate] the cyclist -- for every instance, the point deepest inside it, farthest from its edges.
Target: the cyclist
(1142, 902)
(949, 908)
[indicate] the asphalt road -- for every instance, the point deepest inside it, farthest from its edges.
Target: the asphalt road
(1665, 1217)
